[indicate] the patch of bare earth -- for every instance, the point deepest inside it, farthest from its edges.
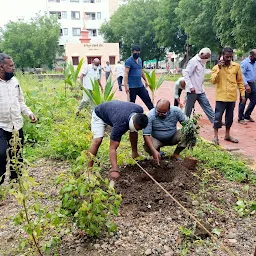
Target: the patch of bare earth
(149, 221)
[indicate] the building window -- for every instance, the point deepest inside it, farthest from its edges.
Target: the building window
(58, 14)
(65, 31)
(92, 32)
(75, 15)
(61, 32)
(77, 1)
(89, 1)
(98, 15)
(76, 31)
(112, 60)
(64, 15)
(54, 1)
(90, 15)
(75, 60)
(98, 1)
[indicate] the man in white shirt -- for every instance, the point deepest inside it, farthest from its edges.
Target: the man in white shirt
(107, 70)
(90, 73)
(12, 105)
(194, 78)
(119, 74)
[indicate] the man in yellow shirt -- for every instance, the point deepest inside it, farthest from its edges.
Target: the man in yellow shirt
(227, 75)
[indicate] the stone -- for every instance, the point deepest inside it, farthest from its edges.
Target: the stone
(161, 201)
(170, 253)
(79, 249)
(148, 252)
(232, 241)
(96, 246)
(231, 235)
(195, 203)
(167, 248)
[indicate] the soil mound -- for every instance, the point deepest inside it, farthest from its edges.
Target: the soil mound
(140, 192)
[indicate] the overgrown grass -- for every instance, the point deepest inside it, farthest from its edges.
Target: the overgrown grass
(61, 135)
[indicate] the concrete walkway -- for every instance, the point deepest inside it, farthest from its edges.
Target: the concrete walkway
(246, 134)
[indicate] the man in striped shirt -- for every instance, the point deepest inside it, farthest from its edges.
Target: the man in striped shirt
(12, 105)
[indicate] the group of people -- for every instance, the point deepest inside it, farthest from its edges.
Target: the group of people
(159, 125)
(228, 76)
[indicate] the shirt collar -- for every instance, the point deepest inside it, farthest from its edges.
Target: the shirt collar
(131, 124)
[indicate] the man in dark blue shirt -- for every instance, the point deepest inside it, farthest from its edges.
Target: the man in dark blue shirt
(121, 116)
(248, 67)
(132, 79)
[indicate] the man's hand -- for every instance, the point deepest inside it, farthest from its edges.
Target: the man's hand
(135, 155)
(181, 105)
(220, 63)
(114, 174)
(192, 90)
(33, 118)
(243, 99)
(247, 88)
(126, 89)
(156, 155)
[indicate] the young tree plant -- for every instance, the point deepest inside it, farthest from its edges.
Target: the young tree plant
(97, 96)
(153, 83)
(71, 74)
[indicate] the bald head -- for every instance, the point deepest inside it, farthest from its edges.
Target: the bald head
(162, 107)
(96, 62)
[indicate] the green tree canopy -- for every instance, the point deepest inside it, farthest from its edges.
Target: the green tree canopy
(133, 23)
(197, 19)
(33, 43)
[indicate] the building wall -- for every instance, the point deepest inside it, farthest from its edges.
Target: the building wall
(91, 50)
(102, 9)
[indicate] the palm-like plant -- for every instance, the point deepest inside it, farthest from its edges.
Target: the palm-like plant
(153, 82)
(97, 96)
(71, 74)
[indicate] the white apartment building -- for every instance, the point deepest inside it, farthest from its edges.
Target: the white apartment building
(74, 14)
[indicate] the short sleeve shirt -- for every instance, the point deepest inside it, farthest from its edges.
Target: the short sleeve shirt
(135, 72)
(163, 129)
(90, 74)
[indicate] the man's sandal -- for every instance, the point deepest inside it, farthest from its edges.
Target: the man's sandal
(113, 174)
(216, 141)
(231, 139)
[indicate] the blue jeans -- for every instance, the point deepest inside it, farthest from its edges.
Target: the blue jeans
(203, 102)
(143, 94)
(252, 96)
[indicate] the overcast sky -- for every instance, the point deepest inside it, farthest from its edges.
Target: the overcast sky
(14, 9)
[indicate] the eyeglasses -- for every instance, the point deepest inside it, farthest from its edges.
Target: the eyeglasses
(162, 113)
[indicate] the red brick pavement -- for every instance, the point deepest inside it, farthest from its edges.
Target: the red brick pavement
(246, 134)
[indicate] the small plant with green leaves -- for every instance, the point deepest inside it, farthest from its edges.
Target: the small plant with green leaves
(190, 131)
(90, 202)
(245, 208)
(153, 83)
(97, 96)
(71, 74)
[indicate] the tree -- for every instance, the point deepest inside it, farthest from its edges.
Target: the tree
(197, 19)
(133, 23)
(32, 44)
(243, 16)
(166, 27)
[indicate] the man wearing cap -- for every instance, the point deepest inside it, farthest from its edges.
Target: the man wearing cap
(194, 78)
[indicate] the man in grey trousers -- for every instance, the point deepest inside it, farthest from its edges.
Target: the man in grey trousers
(194, 78)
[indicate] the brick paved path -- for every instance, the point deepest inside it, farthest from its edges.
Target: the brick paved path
(246, 134)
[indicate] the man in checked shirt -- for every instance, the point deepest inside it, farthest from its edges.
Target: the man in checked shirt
(12, 105)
